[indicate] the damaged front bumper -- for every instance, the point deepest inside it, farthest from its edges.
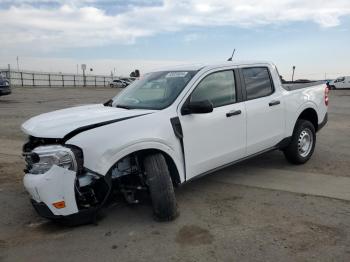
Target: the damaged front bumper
(53, 196)
(54, 186)
(81, 217)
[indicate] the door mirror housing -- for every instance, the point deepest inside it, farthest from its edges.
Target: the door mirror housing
(200, 107)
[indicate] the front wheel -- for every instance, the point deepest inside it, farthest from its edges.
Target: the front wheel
(160, 187)
(302, 146)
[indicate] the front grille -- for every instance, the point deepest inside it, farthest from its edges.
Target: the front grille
(34, 142)
(30, 159)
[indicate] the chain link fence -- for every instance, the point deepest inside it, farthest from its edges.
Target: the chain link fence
(31, 78)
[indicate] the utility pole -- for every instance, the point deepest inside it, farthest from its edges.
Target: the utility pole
(83, 67)
(293, 74)
(8, 76)
(17, 64)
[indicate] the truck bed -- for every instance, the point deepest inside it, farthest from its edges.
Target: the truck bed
(295, 86)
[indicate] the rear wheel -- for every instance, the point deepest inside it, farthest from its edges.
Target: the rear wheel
(303, 143)
(160, 187)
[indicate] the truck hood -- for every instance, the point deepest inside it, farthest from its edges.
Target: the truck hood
(58, 124)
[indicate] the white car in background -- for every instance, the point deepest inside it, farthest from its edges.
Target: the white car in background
(340, 83)
(118, 83)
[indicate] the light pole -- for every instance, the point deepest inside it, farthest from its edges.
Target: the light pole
(17, 64)
(293, 74)
(83, 67)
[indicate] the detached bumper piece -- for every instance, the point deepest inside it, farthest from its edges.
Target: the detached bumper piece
(54, 196)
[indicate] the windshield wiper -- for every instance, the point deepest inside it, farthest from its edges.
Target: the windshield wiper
(123, 106)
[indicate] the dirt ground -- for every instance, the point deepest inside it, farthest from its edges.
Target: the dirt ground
(219, 221)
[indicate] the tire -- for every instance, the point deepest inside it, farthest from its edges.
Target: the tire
(160, 187)
(302, 146)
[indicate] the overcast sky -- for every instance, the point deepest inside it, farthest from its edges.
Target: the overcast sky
(313, 35)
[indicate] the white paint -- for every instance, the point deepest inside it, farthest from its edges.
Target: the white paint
(55, 185)
(58, 123)
(210, 140)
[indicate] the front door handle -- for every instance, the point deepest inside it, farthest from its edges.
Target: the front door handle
(233, 113)
(274, 103)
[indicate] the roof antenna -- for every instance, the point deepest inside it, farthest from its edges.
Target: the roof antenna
(233, 53)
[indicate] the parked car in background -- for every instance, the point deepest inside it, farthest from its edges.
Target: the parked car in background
(4, 86)
(118, 83)
(340, 83)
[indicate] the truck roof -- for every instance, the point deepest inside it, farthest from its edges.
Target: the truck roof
(208, 66)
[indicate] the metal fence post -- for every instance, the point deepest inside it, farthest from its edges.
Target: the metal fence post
(63, 80)
(8, 74)
(49, 80)
(21, 78)
(84, 78)
(33, 80)
(74, 81)
(95, 81)
(104, 81)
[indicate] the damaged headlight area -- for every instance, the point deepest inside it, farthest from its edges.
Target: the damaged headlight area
(42, 158)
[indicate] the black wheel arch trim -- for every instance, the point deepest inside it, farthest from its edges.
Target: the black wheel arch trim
(323, 123)
(176, 124)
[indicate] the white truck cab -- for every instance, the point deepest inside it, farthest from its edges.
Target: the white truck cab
(341, 82)
(165, 129)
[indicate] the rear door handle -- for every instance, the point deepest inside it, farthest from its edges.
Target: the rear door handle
(274, 103)
(233, 113)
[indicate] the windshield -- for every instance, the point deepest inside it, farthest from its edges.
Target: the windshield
(155, 90)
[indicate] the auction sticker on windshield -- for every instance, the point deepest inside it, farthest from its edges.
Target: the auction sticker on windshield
(176, 74)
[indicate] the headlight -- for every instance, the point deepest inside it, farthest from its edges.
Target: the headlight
(42, 158)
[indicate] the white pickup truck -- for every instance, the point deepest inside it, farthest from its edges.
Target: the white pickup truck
(165, 129)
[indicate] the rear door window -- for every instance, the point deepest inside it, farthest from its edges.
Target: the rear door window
(258, 82)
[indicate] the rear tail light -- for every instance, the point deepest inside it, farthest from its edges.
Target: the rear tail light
(326, 97)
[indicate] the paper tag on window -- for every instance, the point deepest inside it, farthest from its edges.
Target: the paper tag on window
(176, 74)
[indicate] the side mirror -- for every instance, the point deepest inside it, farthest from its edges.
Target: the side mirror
(200, 107)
